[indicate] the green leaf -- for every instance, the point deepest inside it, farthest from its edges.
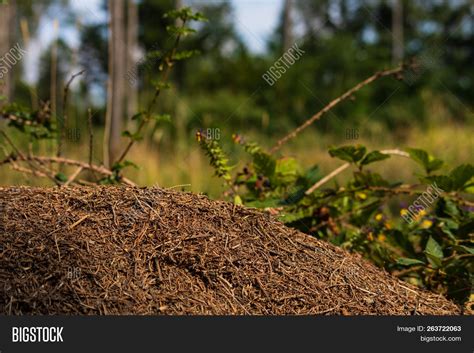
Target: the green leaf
(434, 164)
(444, 182)
(404, 261)
(434, 252)
(135, 137)
(61, 177)
(185, 54)
(264, 164)
(419, 156)
(312, 175)
(180, 31)
(161, 118)
(373, 156)
(348, 153)
(159, 85)
(369, 179)
(287, 170)
(121, 165)
(185, 13)
(461, 175)
(464, 249)
(237, 200)
(429, 163)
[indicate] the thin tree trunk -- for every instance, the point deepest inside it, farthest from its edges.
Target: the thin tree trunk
(116, 83)
(54, 71)
(5, 76)
(132, 49)
(397, 31)
(287, 26)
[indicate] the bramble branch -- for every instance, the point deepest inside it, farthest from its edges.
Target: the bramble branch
(393, 72)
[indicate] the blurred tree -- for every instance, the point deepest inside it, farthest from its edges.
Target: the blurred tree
(397, 31)
(7, 16)
(116, 82)
(132, 57)
(287, 26)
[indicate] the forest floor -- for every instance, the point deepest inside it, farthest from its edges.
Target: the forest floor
(122, 250)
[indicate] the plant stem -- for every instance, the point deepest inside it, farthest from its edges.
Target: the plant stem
(333, 103)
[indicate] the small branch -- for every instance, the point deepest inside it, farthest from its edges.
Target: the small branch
(62, 129)
(98, 169)
(91, 141)
(73, 176)
(91, 135)
(169, 64)
(327, 178)
(27, 159)
(335, 102)
(406, 271)
(346, 165)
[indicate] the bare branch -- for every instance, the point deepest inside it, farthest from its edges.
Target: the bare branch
(62, 129)
(334, 102)
(343, 167)
(32, 165)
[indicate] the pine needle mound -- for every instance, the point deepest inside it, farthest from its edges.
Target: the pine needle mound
(122, 250)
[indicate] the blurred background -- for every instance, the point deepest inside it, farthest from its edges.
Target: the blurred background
(344, 42)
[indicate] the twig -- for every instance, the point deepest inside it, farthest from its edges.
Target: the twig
(98, 169)
(27, 159)
(346, 165)
(62, 128)
(74, 176)
(91, 141)
(91, 135)
(327, 178)
(79, 221)
(333, 103)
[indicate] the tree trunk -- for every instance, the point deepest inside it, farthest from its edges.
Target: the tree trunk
(5, 72)
(287, 26)
(132, 50)
(116, 83)
(397, 31)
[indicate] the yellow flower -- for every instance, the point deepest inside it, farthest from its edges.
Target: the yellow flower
(370, 236)
(403, 211)
(426, 224)
(381, 237)
(361, 195)
(422, 213)
(388, 225)
(378, 217)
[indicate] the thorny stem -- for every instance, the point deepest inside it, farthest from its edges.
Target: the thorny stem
(84, 165)
(32, 165)
(334, 102)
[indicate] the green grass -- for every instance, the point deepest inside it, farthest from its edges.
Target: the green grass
(186, 167)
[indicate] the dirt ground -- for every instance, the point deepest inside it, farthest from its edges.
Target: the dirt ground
(117, 250)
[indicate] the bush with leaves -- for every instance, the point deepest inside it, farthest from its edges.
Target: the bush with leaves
(435, 250)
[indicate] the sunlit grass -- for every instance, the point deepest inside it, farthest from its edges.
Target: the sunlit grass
(187, 168)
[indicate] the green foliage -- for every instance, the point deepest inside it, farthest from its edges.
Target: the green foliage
(217, 158)
(36, 125)
(351, 154)
(428, 162)
(434, 251)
